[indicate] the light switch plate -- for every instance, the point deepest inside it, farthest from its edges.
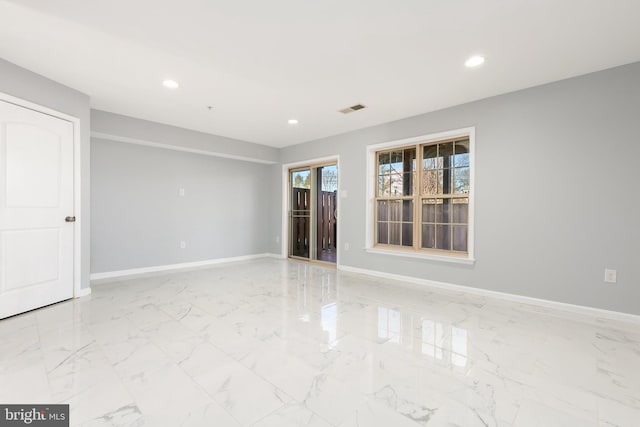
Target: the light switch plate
(610, 276)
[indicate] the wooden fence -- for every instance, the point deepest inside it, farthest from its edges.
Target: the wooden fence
(301, 221)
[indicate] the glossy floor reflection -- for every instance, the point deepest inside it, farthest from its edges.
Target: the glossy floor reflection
(281, 343)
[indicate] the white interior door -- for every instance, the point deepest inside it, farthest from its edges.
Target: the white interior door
(36, 196)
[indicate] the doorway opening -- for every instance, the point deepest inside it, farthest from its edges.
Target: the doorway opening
(313, 215)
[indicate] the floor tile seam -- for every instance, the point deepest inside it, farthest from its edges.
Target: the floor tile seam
(276, 388)
(42, 358)
(119, 377)
(208, 394)
(197, 384)
(103, 381)
(292, 403)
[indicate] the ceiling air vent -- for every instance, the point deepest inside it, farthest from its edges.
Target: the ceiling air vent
(352, 108)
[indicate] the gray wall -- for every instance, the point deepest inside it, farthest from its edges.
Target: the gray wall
(24, 84)
(129, 127)
(275, 209)
(556, 171)
(139, 217)
(556, 190)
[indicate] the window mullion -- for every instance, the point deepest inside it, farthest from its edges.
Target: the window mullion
(417, 219)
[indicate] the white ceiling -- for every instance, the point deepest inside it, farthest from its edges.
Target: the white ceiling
(260, 63)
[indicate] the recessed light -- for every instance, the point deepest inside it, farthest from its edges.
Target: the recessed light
(474, 61)
(292, 122)
(170, 84)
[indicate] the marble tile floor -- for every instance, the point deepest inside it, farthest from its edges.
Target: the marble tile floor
(280, 343)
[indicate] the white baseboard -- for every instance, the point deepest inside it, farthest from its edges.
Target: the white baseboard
(572, 308)
(137, 272)
(82, 292)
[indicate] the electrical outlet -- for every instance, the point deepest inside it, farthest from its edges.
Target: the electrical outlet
(182, 192)
(610, 276)
(183, 244)
(346, 246)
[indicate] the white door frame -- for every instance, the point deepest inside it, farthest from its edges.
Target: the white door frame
(77, 228)
(285, 202)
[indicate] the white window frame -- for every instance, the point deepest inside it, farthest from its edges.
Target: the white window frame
(469, 257)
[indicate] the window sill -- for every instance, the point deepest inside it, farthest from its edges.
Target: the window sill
(431, 257)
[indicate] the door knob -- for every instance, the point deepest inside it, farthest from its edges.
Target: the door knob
(70, 219)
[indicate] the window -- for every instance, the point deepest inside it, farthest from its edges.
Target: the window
(422, 196)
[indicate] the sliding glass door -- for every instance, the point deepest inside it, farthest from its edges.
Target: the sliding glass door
(326, 213)
(313, 218)
(300, 218)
